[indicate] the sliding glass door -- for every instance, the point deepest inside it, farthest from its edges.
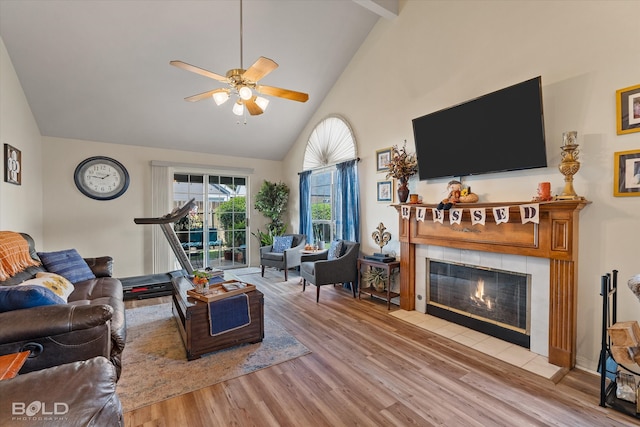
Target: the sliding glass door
(214, 233)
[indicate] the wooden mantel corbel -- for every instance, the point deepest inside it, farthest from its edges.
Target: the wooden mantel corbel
(555, 237)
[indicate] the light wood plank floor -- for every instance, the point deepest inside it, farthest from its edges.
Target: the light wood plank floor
(368, 368)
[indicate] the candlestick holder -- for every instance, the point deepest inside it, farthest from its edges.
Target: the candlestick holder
(569, 165)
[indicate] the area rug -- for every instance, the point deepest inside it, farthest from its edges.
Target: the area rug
(155, 366)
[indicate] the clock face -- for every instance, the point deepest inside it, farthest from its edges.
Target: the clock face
(101, 178)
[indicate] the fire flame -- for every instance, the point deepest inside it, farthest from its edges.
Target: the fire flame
(478, 296)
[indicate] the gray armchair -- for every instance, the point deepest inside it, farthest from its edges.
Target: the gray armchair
(290, 258)
(319, 270)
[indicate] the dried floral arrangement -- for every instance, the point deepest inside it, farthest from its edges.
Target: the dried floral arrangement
(402, 165)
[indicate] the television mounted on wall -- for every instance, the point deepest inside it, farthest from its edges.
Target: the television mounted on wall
(497, 132)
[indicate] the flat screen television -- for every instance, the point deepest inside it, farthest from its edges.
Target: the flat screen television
(500, 131)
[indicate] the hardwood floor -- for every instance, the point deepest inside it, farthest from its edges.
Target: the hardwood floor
(368, 368)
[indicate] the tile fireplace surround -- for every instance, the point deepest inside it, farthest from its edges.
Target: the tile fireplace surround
(538, 268)
(554, 239)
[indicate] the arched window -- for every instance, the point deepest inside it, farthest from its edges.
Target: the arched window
(330, 142)
(328, 203)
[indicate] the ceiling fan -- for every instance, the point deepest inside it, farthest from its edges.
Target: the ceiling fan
(242, 83)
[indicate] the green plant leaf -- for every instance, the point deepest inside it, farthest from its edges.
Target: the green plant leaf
(271, 201)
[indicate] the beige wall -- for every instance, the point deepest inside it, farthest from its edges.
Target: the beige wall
(440, 53)
(106, 227)
(20, 205)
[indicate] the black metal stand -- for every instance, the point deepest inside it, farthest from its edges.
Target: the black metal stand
(607, 366)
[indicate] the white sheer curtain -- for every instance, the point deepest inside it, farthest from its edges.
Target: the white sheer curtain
(162, 257)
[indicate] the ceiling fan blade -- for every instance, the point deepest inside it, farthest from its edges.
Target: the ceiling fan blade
(254, 109)
(199, 70)
(259, 69)
(283, 93)
(204, 95)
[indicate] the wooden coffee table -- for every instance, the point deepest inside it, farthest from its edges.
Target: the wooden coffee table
(192, 317)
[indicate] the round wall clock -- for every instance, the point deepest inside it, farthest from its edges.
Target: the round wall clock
(101, 178)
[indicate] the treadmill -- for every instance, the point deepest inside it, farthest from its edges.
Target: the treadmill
(155, 285)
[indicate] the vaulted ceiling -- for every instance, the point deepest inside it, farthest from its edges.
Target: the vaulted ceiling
(99, 70)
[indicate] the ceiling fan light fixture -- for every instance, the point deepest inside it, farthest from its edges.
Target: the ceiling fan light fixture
(241, 84)
(220, 97)
(238, 108)
(245, 93)
(262, 102)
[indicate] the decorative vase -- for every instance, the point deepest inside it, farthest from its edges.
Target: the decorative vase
(379, 286)
(403, 190)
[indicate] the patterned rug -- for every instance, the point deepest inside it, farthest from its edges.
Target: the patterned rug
(155, 366)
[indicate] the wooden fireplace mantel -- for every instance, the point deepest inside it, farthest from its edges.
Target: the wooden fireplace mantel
(555, 237)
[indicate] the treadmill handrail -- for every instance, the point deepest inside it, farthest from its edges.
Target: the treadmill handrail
(173, 216)
(170, 233)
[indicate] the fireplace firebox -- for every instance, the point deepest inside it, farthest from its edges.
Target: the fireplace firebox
(492, 301)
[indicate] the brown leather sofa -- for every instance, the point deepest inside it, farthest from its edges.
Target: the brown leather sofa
(91, 324)
(75, 394)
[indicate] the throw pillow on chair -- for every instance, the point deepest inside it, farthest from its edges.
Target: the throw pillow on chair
(282, 243)
(335, 250)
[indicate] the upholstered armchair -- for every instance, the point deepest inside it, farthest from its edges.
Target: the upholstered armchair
(281, 257)
(320, 270)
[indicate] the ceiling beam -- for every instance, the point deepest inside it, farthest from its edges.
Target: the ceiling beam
(386, 8)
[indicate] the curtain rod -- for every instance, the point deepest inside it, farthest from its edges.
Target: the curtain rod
(357, 159)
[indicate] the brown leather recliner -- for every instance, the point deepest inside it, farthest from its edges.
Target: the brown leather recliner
(75, 394)
(91, 324)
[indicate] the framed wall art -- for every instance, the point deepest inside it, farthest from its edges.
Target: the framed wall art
(385, 191)
(12, 165)
(628, 110)
(626, 170)
(383, 157)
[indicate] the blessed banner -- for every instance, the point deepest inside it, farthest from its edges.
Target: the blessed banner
(455, 215)
(405, 211)
(528, 213)
(478, 216)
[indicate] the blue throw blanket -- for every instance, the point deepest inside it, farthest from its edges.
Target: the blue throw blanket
(229, 314)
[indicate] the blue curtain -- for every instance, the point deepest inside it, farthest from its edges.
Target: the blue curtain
(305, 204)
(347, 201)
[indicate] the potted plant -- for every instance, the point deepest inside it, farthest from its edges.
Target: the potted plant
(200, 280)
(271, 201)
(402, 166)
(375, 277)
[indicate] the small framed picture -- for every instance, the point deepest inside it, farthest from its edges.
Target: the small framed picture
(385, 191)
(12, 165)
(383, 157)
(628, 110)
(626, 170)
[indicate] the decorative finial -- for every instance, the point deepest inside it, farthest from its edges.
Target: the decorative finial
(380, 236)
